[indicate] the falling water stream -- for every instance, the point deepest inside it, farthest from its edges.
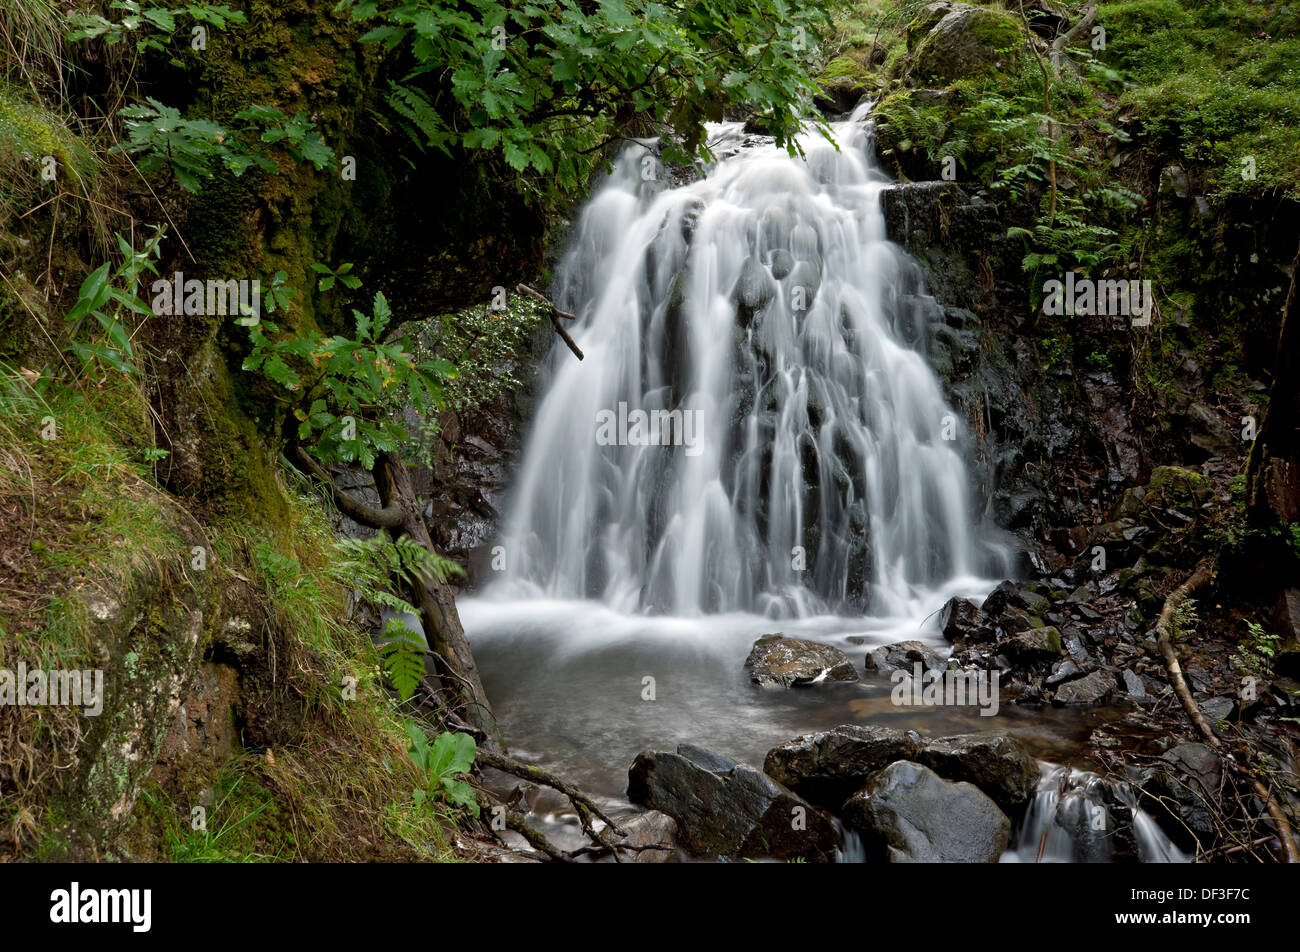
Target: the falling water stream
(754, 442)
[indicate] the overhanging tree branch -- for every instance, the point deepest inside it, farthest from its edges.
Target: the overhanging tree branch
(556, 314)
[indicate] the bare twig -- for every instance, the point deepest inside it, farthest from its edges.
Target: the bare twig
(555, 322)
(1164, 627)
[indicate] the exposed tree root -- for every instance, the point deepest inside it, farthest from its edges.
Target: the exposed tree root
(1164, 628)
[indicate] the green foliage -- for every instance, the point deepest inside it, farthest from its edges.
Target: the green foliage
(328, 276)
(297, 134)
(1217, 83)
(450, 754)
(1100, 361)
(279, 294)
(110, 298)
(149, 25)
(223, 837)
(370, 563)
(371, 567)
(1254, 654)
(546, 84)
(483, 344)
(343, 391)
(402, 657)
(192, 149)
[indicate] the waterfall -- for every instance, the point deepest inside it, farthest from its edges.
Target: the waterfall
(1078, 816)
(755, 426)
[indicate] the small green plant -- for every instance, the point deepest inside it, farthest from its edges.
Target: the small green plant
(110, 298)
(1254, 654)
(151, 27)
(297, 134)
(329, 275)
(193, 149)
(342, 390)
(279, 294)
(1100, 361)
(224, 835)
(402, 658)
(450, 754)
(370, 566)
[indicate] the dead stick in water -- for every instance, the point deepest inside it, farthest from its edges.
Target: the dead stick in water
(555, 322)
(1164, 627)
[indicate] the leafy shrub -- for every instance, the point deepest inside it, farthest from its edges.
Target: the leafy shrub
(193, 149)
(450, 754)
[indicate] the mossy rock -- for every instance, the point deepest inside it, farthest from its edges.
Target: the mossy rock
(965, 42)
(1170, 487)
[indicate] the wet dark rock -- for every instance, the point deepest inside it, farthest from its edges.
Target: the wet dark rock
(778, 661)
(909, 814)
(1013, 619)
(996, 763)
(1133, 684)
(1179, 790)
(728, 809)
(1065, 671)
(1218, 708)
(649, 829)
(1286, 623)
(960, 618)
(904, 654)
(753, 290)
(1010, 595)
(828, 766)
(1036, 644)
(1209, 432)
(1090, 689)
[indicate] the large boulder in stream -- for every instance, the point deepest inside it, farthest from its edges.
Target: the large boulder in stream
(727, 809)
(910, 814)
(996, 763)
(903, 655)
(828, 766)
(780, 662)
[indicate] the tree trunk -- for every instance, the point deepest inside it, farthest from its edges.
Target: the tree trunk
(434, 599)
(1273, 472)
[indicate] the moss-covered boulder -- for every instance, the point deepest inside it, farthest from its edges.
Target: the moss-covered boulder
(961, 41)
(1169, 488)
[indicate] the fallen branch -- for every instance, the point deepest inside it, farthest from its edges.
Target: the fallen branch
(581, 802)
(1064, 40)
(525, 289)
(1164, 626)
(555, 320)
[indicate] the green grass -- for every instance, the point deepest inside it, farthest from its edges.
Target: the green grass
(85, 509)
(1218, 82)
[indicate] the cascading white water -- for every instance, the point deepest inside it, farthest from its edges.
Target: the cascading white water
(819, 468)
(1070, 820)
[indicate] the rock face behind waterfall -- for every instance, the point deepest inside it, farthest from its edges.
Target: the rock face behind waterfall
(726, 809)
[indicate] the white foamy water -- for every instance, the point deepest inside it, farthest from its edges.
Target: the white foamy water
(766, 306)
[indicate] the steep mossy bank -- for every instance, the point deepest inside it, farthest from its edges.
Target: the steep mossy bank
(243, 711)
